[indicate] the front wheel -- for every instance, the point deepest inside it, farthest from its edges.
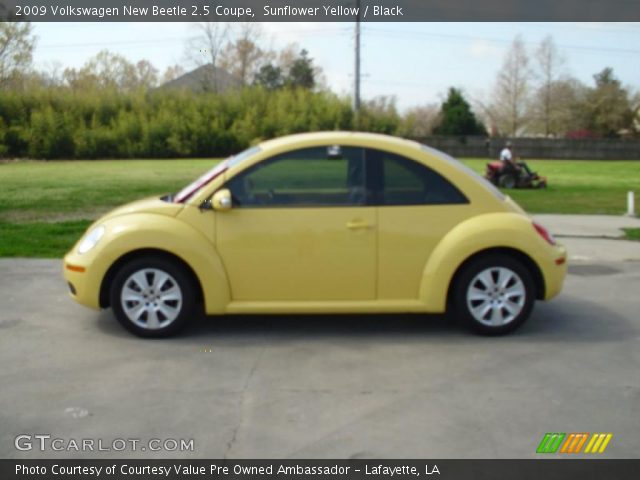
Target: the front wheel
(493, 295)
(153, 297)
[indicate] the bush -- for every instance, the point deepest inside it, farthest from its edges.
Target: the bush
(61, 123)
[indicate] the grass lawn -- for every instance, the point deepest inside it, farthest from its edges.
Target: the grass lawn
(51, 191)
(632, 233)
(39, 239)
(45, 206)
(581, 187)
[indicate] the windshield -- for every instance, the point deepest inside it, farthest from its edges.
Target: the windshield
(188, 191)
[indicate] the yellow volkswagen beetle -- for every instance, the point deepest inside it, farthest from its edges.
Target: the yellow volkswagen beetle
(332, 222)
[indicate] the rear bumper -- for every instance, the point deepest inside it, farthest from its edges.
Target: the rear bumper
(555, 272)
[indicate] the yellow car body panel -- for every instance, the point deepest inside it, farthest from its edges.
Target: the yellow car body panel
(149, 231)
(280, 255)
(406, 239)
(481, 233)
(348, 259)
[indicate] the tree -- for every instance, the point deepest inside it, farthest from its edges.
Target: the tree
(270, 77)
(16, 50)
(636, 113)
(111, 70)
(509, 106)
(243, 57)
(420, 121)
(379, 115)
(567, 113)
(290, 67)
(457, 118)
(145, 76)
(608, 107)
(171, 73)
(549, 64)
(287, 55)
(302, 72)
(50, 74)
(205, 50)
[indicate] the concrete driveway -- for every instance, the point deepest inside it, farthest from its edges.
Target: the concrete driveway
(322, 387)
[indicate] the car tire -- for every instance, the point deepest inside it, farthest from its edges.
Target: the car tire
(153, 297)
(493, 295)
(508, 181)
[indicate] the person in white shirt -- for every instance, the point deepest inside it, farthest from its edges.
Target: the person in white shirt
(508, 159)
(506, 155)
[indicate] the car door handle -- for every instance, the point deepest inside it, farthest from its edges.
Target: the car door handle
(358, 225)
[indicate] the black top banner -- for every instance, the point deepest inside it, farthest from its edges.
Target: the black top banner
(319, 10)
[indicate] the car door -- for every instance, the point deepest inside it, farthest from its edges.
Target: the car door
(416, 208)
(299, 229)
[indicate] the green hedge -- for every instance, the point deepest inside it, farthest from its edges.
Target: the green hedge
(61, 123)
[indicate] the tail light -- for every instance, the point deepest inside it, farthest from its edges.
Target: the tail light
(544, 233)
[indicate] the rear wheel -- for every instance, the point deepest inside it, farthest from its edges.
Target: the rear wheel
(494, 295)
(153, 297)
(508, 181)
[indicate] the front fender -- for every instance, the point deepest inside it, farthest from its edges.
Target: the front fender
(482, 232)
(128, 233)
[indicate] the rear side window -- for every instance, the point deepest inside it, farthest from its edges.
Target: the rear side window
(463, 168)
(400, 181)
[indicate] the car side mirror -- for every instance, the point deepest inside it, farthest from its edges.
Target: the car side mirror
(221, 200)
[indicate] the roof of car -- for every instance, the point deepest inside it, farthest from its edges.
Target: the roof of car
(336, 137)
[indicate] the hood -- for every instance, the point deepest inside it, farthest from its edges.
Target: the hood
(147, 205)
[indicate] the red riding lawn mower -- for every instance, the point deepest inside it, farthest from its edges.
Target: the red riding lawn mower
(509, 175)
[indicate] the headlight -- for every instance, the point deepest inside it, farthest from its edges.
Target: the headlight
(91, 239)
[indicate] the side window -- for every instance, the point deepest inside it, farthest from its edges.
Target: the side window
(319, 176)
(401, 181)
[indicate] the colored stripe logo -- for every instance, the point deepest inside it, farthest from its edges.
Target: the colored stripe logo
(598, 443)
(574, 442)
(550, 442)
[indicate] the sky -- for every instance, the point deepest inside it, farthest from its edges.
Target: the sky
(414, 62)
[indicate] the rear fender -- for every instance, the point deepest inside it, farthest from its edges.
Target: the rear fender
(483, 232)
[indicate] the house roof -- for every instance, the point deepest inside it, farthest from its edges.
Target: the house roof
(205, 78)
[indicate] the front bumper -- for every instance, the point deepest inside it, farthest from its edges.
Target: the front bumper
(84, 278)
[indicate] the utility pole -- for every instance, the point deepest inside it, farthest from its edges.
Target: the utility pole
(356, 85)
